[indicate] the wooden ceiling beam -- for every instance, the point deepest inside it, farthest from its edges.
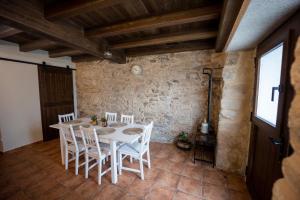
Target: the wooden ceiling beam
(6, 31)
(182, 17)
(37, 44)
(85, 58)
(63, 52)
(67, 9)
(171, 48)
(228, 17)
(166, 38)
(29, 16)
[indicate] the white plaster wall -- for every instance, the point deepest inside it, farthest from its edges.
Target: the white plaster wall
(20, 116)
(11, 50)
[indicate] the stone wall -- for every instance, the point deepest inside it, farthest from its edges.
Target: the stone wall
(288, 187)
(171, 91)
(236, 105)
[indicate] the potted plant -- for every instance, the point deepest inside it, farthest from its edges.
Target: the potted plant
(103, 122)
(183, 141)
(94, 120)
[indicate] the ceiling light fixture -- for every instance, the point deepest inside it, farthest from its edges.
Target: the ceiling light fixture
(107, 54)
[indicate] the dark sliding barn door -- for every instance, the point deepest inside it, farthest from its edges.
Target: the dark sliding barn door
(273, 95)
(56, 96)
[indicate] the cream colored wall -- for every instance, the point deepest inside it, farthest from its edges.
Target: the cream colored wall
(20, 118)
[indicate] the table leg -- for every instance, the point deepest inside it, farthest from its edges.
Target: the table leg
(62, 148)
(113, 149)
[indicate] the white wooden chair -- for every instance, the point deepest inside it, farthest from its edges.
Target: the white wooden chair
(128, 119)
(137, 150)
(66, 117)
(111, 117)
(71, 146)
(93, 151)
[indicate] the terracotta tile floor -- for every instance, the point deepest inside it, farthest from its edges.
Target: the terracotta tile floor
(35, 172)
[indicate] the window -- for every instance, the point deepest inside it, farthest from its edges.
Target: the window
(269, 85)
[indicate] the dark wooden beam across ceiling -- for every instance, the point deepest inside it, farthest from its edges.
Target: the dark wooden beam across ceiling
(85, 58)
(171, 48)
(66, 9)
(166, 38)
(6, 31)
(29, 16)
(63, 52)
(229, 14)
(37, 44)
(181, 17)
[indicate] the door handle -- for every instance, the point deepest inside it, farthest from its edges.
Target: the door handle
(278, 143)
(275, 141)
(273, 91)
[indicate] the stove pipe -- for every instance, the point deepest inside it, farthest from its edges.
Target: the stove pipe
(209, 72)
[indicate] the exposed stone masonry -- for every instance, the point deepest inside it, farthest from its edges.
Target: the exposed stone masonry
(172, 91)
(289, 186)
(236, 105)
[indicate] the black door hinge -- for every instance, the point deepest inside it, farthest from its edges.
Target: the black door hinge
(251, 116)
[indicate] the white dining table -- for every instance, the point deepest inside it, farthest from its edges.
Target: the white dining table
(112, 139)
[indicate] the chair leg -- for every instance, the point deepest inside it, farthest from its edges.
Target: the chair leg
(86, 165)
(120, 163)
(141, 167)
(76, 163)
(66, 159)
(131, 160)
(148, 159)
(99, 171)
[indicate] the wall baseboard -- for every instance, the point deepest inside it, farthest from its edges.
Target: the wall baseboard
(20, 148)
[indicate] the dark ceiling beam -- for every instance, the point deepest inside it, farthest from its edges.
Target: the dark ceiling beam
(66, 9)
(6, 31)
(37, 44)
(229, 15)
(85, 58)
(63, 52)
(166, 38)
(171, 48)
(182, 17)
(28, 16)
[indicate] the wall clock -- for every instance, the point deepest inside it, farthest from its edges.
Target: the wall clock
(136, 70)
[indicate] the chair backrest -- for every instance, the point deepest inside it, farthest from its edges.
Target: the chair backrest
(66, 117)
(111, 117)
(146, 135)
(128, 119)
(90, 139)
(68, 135)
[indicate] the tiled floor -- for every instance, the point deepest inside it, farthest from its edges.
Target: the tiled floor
(35, 172)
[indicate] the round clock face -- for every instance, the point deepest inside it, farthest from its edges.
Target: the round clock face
(136, 70)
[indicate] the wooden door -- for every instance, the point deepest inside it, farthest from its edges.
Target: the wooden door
(267, 118)
(269, 137)
(56, 96)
